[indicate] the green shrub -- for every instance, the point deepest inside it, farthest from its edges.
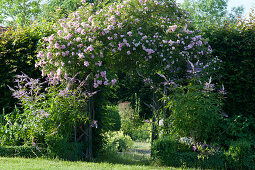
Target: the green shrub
(240, 155)
(141, 133)
(11, 128)
(21, 151)
(130, 120)
(194, 111)
(188, 159)
(117, 141)
(165, 150)
(235, 128)
(209, 157)
(60, 147)
(168, 151)
(111, 121)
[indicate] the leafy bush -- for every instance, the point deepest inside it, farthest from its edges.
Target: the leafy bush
(130, 120)
(241, 155)
(18, 50)
(214, 161)
(60, 147)
(209, 157)
(57, 147)
(141, 133)
(111, 121)
(11, 128)
(194, 111)
(53, 117)
(117, 141)
(131, 123)
(235, 128)
(166, 150)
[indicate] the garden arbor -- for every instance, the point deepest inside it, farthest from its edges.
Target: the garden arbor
(151, 38)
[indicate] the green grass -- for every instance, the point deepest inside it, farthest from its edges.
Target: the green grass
(40, 163)
(142, 145)
(136, 158)
(139, 154)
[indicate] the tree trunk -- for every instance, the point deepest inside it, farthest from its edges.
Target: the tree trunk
(154, 134)
(89, 137)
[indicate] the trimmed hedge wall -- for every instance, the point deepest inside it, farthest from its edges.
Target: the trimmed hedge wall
(21, 151)
(234, 45)
(168, 151)
(18, 49)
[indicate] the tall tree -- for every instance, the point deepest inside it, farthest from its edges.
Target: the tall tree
(205, 12)
(19, 12)
(59, 8)
(236, 12)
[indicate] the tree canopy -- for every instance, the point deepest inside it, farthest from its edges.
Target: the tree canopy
(208, 12)
(19, 12)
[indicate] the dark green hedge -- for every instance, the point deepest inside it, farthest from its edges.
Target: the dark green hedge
(62, 150)
(18, 49)
(235, 46)
(21, 151)
(165, 151)
(168, 151)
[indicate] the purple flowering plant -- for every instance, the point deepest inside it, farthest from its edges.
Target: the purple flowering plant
(50, 107)
(205, 150)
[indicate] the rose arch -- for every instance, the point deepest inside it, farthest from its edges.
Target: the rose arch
(152, 38)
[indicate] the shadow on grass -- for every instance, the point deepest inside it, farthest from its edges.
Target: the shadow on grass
(127, 158)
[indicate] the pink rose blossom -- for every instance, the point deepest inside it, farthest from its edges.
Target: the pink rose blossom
(60, 32)
(78, 39)
(99, 63)
(103, 74)
(113, 81)
(90, 48)
(129, 33)
(86, 63)
(106, 83)
(95, 85)
(81, 55)
(99, 82)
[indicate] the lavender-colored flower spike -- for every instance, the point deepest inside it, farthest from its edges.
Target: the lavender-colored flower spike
(222, 90)
(94, 124)
(208, 86)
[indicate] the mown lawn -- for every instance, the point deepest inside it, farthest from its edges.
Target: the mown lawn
(138, 157)
(40, 163)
